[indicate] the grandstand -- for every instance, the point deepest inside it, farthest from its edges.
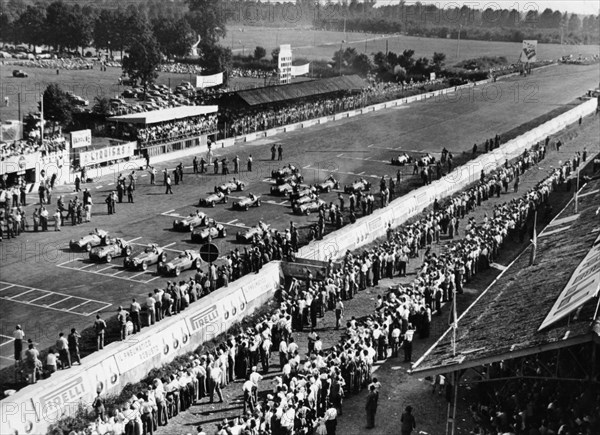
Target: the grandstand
(165, 130)
(535, 325)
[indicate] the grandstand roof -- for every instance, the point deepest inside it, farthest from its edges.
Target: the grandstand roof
(504, 322)
(276, 94)
(162, 115)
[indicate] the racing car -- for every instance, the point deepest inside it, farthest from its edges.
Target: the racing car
(151, 255)
(290, 178)
(309, 207)
(304, 200)
(426, 160)
(302, 191)
(402, 159)
(212, 199)
(283, 189)
(358, 186)
(111, 248)
(188, 259)
(214, 231)
(285, 172)
(327, 185)
(230, 186)
(197, 219)
(247, 202)
(88, 242)
(247, 236)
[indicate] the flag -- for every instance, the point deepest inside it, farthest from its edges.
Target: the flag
(300, 70)
(209, 81)
(533, 241)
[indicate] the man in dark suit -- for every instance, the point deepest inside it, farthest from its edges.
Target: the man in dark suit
(371, 406)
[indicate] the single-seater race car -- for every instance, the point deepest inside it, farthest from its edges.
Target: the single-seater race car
(426, 160)
(230, 186)
(358, 186)
(245, 203)
(402, 159)
(188, 259)
(94, 238)
(201, 235)
(111, 248)
(328, 185)
(197, 219)
(152, 254)
(257, 230)
(309, 207)
(283, 189)
(212, 199)
(285, 172)
(288, 179)
(302, 190)
(305, 199)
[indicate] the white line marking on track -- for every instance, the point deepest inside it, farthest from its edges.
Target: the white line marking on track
(360, 173)
(106, 268)
(7, 287)
(20, 294)
(238, 225)
(41, 297)
(173, 250)
(150, 280)
(230, 222)
(87, 265)
(170, 244)
(77, 306)
(62, 300)
(98, 187)
(340, 155)
(133, 240)
(138, 274)
(110, 184)
(5, 357)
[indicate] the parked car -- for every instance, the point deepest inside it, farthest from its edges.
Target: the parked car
(249, 201)
(201, 235)
(230, 186)
(94, 238)
(328, 185)
(117, 247)
(309, 207)
(128, 93)
(358, 186)
(257, 230)
(197, 219)
(212, 199)
(188, 259)
(402, 159)
(20, 73)
(151, 255)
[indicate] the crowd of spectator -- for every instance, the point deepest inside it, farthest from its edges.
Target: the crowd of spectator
(29, 146)
(180, 68)
(252, 73)
(55, 64)
(536, 406)
(172, 130)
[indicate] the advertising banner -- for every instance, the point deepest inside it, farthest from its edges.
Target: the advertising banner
(107, 154)
(529, 51)
(81, 138)
(209, 81)
(300, 70)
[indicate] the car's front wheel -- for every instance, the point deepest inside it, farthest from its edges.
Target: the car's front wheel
(144, 266)
(108, 258)
(88, 247)
(212, 204)
(177, 271)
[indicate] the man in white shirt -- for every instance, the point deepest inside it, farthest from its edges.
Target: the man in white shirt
(248, 389)
(215, 375)
(283, 353)
(255, 377)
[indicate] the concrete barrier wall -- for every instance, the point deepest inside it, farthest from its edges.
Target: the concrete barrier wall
(372, 227)
(41, 404)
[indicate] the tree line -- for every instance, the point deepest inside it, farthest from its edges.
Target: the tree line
(173, 27)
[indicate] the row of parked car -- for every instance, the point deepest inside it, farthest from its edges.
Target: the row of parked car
(156, 97)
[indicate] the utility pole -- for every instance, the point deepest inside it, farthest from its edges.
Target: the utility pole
(42, 117)
(19, 112)
(458, 43)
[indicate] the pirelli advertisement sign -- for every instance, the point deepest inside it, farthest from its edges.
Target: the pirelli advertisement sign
(583, 285)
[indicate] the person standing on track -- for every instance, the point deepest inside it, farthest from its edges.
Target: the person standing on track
(250, 163)
(273, 151)
(408, 423)
(73, 341)
(99, 327)
(371, 406)
(19, 336)
(280, 152)
(168, 184)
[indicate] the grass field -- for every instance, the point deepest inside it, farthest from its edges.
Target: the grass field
(319, 45)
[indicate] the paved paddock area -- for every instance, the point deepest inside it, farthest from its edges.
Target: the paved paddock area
(358, 147)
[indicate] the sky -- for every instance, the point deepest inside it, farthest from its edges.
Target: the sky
(583, 7)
